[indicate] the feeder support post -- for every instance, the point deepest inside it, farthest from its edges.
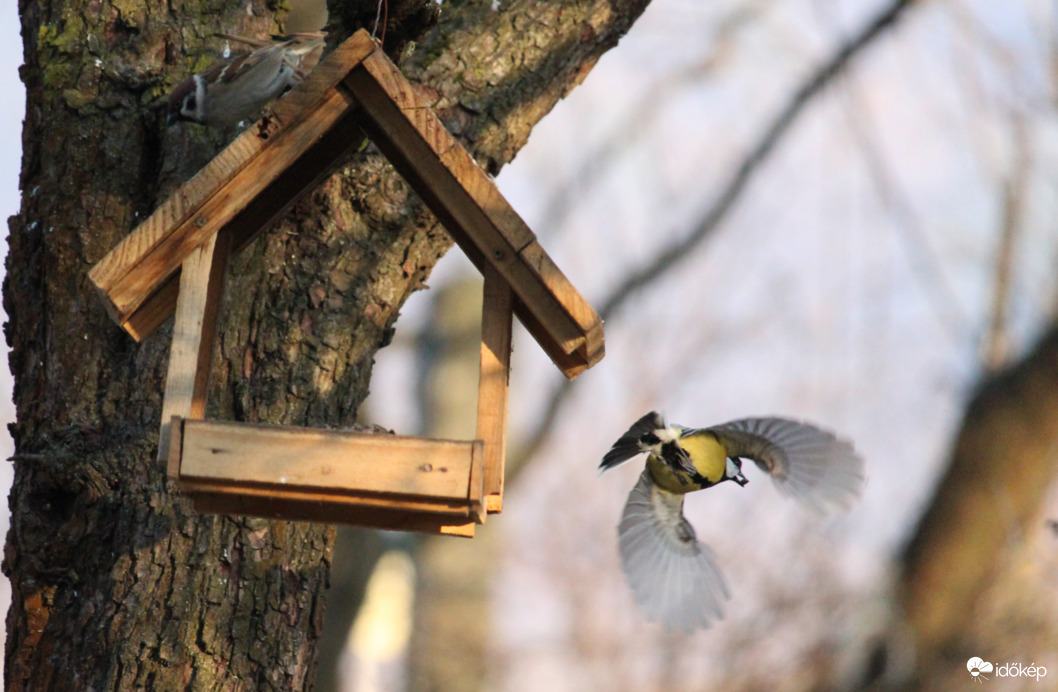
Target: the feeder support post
(194, 328)
(494, 379)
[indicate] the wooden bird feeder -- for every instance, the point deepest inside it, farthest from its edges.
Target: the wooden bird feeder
(175, 262)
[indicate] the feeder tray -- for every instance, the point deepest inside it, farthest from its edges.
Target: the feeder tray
(176, 261)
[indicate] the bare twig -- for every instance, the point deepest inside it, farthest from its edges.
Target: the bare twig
(924, 263)
(997, 346)
(669, 258)
(636, 123)
(1013, 182)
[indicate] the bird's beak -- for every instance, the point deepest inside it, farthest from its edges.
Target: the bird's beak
(735, 464)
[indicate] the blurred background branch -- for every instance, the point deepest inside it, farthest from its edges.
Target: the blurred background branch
(709, 220)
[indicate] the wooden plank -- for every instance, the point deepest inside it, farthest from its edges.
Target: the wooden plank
(176, 442)
(135, 247)
(334, 461)
(476, 498)
(299, 102)
(154, 311)
(570, 364)
(453, 510)
(417, 145)
(387, 127)
(433, 135)
(493, 382)
(478, 186)
(191, 351)
(139, 266)
(241, 503)
(273, 203)
(547, 272)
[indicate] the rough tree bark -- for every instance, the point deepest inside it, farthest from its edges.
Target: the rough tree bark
(116, 583)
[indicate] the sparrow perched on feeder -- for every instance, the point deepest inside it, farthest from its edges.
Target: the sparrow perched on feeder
(674, 577)
(239, 87)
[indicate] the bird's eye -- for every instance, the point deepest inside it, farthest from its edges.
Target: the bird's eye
(650, 439)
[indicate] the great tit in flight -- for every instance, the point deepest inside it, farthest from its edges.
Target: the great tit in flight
(674, 576)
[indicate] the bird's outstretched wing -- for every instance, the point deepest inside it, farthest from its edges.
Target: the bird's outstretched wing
(812, 465)
(305, 37)
(674, 576)
(300, 53)
(628, 445)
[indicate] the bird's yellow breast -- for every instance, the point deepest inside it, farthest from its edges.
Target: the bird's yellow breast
(708, 456)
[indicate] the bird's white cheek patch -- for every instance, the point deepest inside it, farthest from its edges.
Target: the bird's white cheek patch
(668, 434)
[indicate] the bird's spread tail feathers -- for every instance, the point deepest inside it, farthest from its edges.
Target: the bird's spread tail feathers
(628, 445)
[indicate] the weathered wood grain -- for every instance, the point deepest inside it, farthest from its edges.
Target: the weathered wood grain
(139, 266)
(135, 269)
(211, 499)
(191, 351)
(385, 481)
(474, 212)
(493, 382)
(327, 459)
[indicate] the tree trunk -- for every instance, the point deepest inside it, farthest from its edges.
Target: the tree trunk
(981, 517)
(116, 583)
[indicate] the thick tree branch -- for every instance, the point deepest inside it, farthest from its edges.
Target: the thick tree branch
(1004, 460)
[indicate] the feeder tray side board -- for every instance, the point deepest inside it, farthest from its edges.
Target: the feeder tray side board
(323, 475)
(242, 504)
(328, 459)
